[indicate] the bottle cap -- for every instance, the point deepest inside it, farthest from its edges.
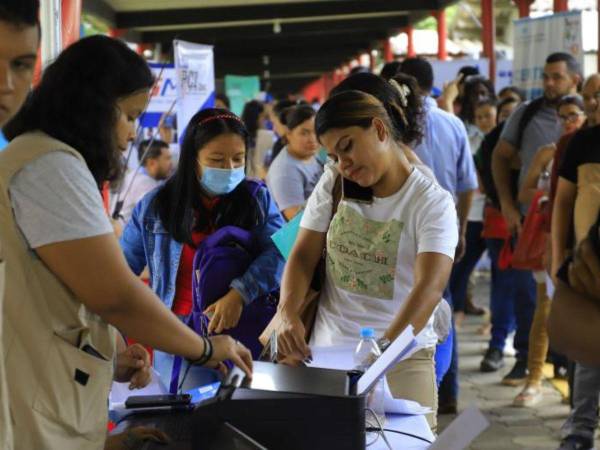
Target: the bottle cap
(367, 333)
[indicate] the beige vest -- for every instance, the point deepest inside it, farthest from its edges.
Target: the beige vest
(5, 421)
(58, 392)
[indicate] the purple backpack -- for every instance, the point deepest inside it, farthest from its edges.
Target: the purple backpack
(222, 257)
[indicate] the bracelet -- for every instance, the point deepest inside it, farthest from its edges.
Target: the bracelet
(206, 355)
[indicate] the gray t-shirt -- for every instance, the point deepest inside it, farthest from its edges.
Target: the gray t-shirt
(543, 129)
(56, 199)
(291, 181)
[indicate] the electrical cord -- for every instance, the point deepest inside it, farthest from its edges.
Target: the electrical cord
(403, 433)
(380, 430)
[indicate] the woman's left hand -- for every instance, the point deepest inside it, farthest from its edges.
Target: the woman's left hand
(133, 366)
(226, 312)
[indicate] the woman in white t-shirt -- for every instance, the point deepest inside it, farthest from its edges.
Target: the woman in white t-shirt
(389, 258)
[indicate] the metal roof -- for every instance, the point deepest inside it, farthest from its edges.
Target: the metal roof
(290, 42)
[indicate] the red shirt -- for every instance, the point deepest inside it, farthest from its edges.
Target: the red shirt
(182, 303)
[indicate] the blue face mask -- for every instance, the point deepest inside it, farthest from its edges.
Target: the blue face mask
(221, 181)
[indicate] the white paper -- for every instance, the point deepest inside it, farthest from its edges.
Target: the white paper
(462, 431)
(339, 357)
(120, 392)
(393, 405)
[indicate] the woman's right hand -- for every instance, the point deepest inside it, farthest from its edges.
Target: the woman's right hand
(225, 347)
(290, 339)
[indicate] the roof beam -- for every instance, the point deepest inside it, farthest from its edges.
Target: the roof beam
(299, 30)
(272, 11)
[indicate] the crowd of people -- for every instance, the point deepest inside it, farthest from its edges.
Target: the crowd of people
(399, 195)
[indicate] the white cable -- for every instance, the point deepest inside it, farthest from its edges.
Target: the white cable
(381, 431)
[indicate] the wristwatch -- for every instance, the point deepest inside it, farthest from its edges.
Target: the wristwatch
(383, 343)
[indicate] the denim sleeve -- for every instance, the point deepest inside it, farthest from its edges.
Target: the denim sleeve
(264, 274)
(132, 241)
(466, 176)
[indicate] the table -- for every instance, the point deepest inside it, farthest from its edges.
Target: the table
(416, 425)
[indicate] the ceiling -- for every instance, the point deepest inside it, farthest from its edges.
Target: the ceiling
(288, 43)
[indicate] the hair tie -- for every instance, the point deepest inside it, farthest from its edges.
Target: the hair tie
(220, 116)
(403, 91)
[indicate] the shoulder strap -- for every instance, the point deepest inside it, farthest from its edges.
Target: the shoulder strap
(530, 111)
(337, 194)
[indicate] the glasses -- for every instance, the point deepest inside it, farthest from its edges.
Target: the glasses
(571, 117)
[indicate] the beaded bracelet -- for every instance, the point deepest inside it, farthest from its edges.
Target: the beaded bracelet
(206, 356)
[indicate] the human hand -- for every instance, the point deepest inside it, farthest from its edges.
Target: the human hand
(460, 248)
(133, 366)
(451, 90)
(225, 313)
(291, 342)
(226, 348)
(134, 438)
(513, 219)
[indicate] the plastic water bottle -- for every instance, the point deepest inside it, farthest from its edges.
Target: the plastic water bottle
(367, 351)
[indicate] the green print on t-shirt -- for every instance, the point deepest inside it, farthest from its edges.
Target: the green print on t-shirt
(362, 253)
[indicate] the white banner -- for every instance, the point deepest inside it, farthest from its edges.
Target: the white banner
(536, 39)
(162, 96)
(195, 72)
(446, 71)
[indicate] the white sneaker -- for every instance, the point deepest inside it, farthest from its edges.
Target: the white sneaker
(509, 348)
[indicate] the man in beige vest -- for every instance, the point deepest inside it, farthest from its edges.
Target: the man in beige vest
(19, 39)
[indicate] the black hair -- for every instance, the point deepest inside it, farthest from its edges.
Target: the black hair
(467, 71)
(250, 116)
(571, 100)
(515, 89)
(486, 102)
(421, 70)
(20, 12)
(507, 101)
(147, 152)
(359, 69)
(297, 115)
(468, 102)
(179, 201)
(224, 99)
(281, 108)
(76, 101)
(390, 69)
(571, 62)
(407, 121)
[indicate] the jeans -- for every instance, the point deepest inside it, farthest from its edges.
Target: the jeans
(461, 272)
(583, 419)
(512, 302)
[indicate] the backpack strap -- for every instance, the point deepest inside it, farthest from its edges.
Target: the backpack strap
(254, 185)
(528, 114)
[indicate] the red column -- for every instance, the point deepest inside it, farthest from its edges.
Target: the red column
(71, 21)
(524, 7)
(442, 34)
(561, 5)
(410, 51)
(488, 35)
(388, 54)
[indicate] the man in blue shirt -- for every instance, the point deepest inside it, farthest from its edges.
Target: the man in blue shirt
(445, 150)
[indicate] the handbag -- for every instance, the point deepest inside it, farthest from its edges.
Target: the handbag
(531, 246)
(494, 224)
(308, 309)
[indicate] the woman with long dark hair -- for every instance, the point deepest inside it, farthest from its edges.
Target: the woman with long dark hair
(389, 252)
(261, 140)
(208, 193)
(68, 287)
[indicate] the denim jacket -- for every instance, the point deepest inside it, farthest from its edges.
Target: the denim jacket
(146, 242)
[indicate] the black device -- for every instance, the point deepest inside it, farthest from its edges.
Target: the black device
(157, 401)
(292, 408)
(355, 192)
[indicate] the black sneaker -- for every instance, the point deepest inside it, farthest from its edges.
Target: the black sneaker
(518, 375)
(576, 443)
(492, 361)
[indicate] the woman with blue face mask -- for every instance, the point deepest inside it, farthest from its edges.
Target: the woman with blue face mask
(208, 191)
